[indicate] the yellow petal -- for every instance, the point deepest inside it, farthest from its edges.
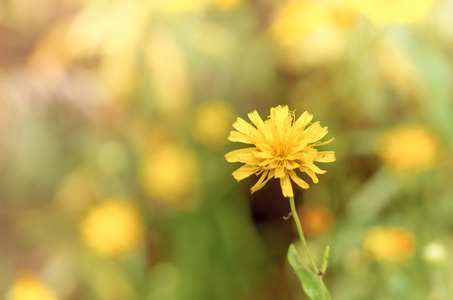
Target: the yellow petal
(311, 173)
(263, 155)
(291, 164)
(261, 141)
(325, 156)
(281, 122)
(314, 168)
(315, 132)
(322, 143)
(304, 119)
(299, 145)
(280, 172)
(298, 180)
(256, 120)
(244, 172)
(242, 126)
(240, 137)
(287, 188)
(261, 182)
(242, 155)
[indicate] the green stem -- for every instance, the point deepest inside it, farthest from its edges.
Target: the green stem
(301, 233)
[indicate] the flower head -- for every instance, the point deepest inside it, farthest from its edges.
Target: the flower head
(112, 227)
(388, 243)
(386, 12)
(282, 145)
(212, 123)
(27, 286)
(409, 148)
(170, 175)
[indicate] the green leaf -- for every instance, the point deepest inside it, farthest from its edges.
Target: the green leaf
(311, 282)
(325, 260)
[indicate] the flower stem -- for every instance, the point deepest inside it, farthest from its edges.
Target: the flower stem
(301, 233)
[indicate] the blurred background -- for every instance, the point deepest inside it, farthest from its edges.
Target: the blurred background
(114, 117)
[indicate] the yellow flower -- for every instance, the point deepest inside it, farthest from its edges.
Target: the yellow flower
(112, 227)
(409, 148)
(387, 243)
(181, 6)
(170, 174)
(28, 287)
(311, 32)
(225, 4)
(212, 123)
(388, 11)
(297, 20)
(282, 145)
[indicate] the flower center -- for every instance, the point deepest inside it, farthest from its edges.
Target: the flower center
(281, 149)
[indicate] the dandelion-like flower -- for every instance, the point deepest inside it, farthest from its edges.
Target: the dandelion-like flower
(410, 148)
(27, 286)
(282, 145)
(388, 243)
(112, 227)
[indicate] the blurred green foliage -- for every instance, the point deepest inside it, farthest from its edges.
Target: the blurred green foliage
(134, 100)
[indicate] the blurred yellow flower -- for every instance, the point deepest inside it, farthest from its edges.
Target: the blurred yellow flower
(212, 123)
(388, 11)
(112, 227)
(181, 6)
(298, 19)
(191, 6)
(170, 175)
(27, 286)
(282, 145)
(409, 148)
(311, 32)
(388, 243)
(315, 219)
(224, 4)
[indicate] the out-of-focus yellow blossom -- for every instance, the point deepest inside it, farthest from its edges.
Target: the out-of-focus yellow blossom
(112, 227)
(315, 219)
(168, 68)
(409, 148)
(212, 123)
(397, 70)
(298, 19)
(190, 6)
(388, 11)
(170, 175)
(282, 145)
(27, 286)
(181, 6)
(388, 243)
(311, 32)
(225, 4)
